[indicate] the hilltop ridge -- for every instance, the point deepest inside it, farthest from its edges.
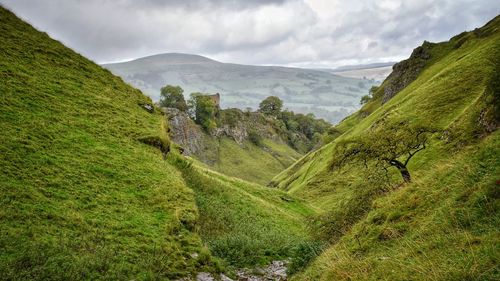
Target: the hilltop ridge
(328, 95)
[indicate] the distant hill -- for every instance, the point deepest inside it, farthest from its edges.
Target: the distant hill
(372, 71)
(363, 66)
(323, 93)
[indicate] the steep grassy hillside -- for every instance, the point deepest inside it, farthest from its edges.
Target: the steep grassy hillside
(329, 96)
(244, 223)
(81, 196)
(444, 224)
(254, 163)
(87, 192)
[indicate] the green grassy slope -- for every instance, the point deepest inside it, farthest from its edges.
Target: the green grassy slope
(254, 163)
(242, 222)
(82, 197)
(443, 225)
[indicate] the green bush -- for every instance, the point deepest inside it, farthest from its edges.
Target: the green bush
(303, 254)
(255, 138)
(365, 99)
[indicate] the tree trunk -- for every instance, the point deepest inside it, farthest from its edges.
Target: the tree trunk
(402, 169)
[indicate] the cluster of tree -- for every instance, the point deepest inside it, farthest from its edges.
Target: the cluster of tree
(303, 131)
(201, 108)
(295, 124)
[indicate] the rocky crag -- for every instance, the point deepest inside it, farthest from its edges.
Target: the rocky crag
(406, 71)
(240, 140)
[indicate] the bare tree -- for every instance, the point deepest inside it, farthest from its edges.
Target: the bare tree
(385, 145)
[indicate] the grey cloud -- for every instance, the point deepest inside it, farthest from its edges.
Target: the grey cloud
(285, 32)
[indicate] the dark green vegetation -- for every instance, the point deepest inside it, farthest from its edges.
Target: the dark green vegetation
(271, 106)
(203, 111)
(254, 146)
(443, 225)
(244, 223)
(85, 192)
(328, 95)
(171, 96)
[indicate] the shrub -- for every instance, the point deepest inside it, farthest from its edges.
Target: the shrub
(365, 99)
(255, 138)
(303, 254)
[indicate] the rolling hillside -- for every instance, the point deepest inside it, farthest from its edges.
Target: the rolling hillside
(327, 95)
(87, 191)
(443, 225)
(92, 187)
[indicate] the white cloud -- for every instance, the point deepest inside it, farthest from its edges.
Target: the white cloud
(312, 33)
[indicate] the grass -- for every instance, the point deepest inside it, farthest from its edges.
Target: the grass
(419, 230)
(244, 223)
(86, 192)
(253, 163)
(81, 196)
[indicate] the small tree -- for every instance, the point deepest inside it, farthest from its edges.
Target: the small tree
(365, 99)
(271, 106)
(386, 145)
(373, 89)
(171, 96)
(203, 110)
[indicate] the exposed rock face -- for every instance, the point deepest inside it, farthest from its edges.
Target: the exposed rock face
(406, 71)
(148, 107)
(239, 132)
(240, 129)
(184, 131)
(191, 137)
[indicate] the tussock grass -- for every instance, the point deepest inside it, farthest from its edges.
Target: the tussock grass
(244, 223)
(80, 196)
(417, 231)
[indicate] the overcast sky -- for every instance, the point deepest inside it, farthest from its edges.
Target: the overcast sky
(304, 33)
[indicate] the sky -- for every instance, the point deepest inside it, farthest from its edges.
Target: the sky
(300, 33)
